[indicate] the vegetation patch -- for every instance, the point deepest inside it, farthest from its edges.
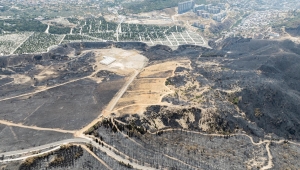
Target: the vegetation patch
(38, 42)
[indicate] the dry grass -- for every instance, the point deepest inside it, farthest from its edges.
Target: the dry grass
(149, 88)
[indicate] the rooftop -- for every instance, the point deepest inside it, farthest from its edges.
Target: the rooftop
(107, 60)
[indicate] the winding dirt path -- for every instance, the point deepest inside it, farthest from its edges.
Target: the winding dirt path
(132, 140)
(267, 142)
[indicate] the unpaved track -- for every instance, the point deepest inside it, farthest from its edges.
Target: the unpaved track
(115, 100)
(13, 51)
(132, 140)
(267, 142)
(43, 147)
(110, 106)
(34, 155)
(111, 153)
(115, 156)
(42, 90)
(83, 139)
(48, 88)
(270, 158)
(35, 127)
(96, 157)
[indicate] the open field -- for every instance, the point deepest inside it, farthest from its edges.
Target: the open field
(69, 106)
(68, 93)
(285, 156)
(16, 138)
(191, 108)
(149, 87)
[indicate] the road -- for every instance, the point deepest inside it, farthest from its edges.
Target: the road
(119, 27)
(25, 157)
(56, 145)
(13, 51)
(35, 127)
(42, 90)
(115, 100)
(47, 30)
(110, 106)
(43, 147)
(81, 138)
(118, 158)
(269, 164)
(111, 152)
(96, 157)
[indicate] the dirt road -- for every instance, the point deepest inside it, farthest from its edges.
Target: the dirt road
(35, 127)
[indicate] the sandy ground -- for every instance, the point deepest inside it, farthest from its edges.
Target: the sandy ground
(126, 61)
(150, 21)
(20, 79)
(162, 17)
(59, 21)
(148, 89)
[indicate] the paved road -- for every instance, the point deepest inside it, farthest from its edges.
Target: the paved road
(47, 146)
(56, 145)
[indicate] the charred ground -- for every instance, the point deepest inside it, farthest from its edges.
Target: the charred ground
(241, 85)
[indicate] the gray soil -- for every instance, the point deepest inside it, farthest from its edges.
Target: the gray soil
(15, 138)
(69, 107)
(253, 86)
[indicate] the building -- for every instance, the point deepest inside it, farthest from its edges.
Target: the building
(207, 6)
(205, 15)
(185, 6)
(199, 25)
(107, 60)
(214, 10)
(200, 12)
(219, 17)
(222, 6)
(198, 7)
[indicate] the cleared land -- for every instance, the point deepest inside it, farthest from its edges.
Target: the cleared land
(67, 94)
(16, 138)
(149, 87)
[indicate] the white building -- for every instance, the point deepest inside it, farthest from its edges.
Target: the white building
(107, 60)
(185, 6)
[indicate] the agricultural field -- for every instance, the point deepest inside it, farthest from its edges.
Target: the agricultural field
(152, 35)
(105, 36)
(75, 37)
(9, 42)
(29, 40)
(39, 42)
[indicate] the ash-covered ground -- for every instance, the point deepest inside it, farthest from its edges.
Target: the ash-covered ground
(236, 105)
(245, 84)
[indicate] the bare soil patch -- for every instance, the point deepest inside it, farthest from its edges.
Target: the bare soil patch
(149, 87)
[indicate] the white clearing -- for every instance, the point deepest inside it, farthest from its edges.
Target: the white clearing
(107, 60)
